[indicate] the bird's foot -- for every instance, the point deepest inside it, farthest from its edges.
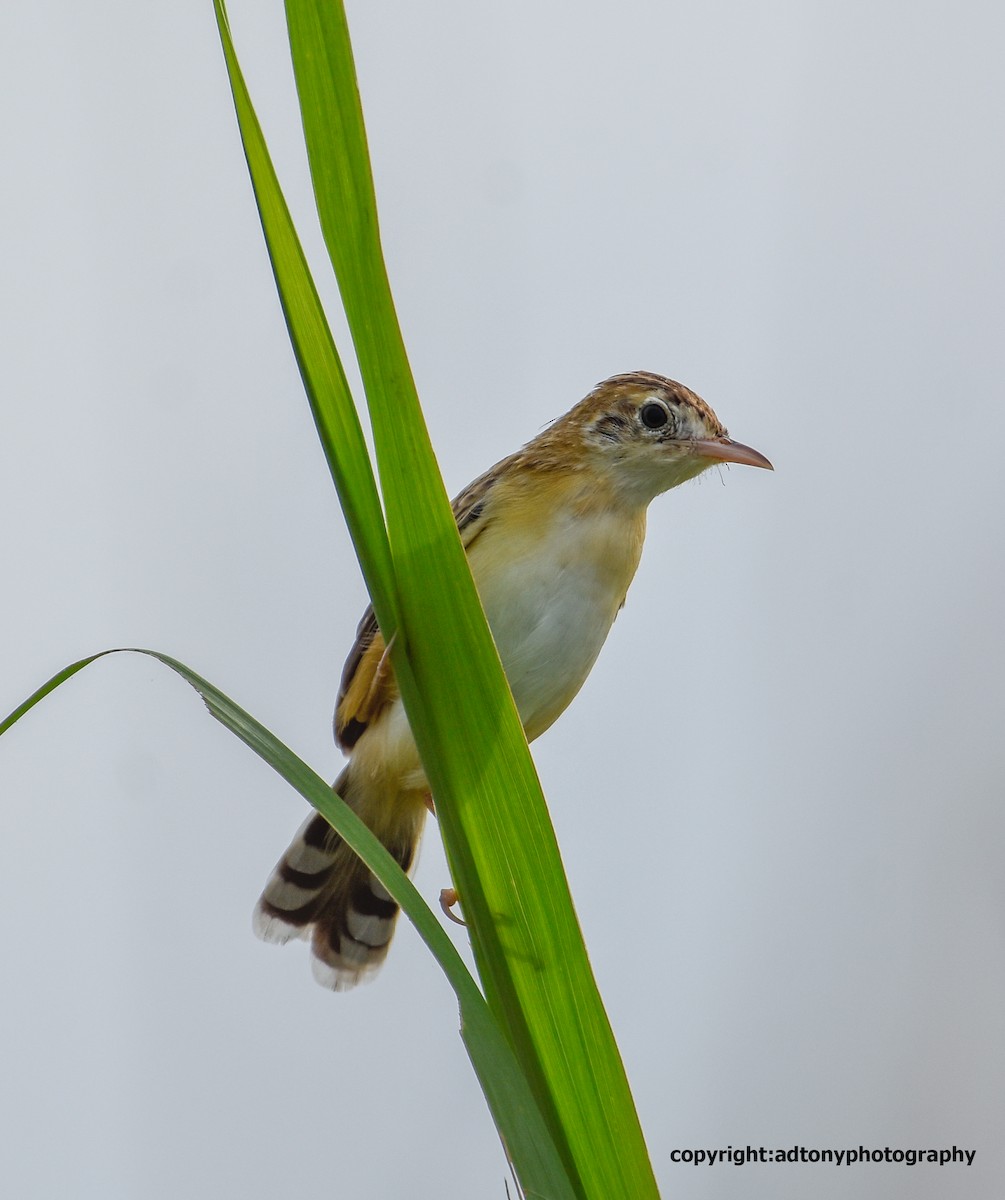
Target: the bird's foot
(448, 900)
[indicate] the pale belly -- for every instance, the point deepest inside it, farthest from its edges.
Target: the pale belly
(550, 606)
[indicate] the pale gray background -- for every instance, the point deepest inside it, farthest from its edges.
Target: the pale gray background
(779, 794)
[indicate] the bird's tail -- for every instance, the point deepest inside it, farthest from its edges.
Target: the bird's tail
(321, 890)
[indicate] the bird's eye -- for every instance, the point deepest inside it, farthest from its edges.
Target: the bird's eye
(654, 415)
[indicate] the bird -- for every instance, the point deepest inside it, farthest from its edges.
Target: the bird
(553, 536)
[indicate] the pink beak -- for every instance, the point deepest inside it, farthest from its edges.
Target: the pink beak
(725, 450)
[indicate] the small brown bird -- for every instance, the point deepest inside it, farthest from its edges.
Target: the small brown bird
(553, 536)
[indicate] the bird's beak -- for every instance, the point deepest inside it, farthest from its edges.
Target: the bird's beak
(726, 450)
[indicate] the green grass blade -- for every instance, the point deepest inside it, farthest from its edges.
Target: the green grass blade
(495, 825)
(332, 406)
(309, 333)
(49, 686)
(510, 1100)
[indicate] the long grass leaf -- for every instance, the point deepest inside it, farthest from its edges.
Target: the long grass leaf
(496, 828)
(331, 402)
(510, 1100)
(302, 309)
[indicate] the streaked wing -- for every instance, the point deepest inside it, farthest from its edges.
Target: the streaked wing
(368, 685)
(470, 507)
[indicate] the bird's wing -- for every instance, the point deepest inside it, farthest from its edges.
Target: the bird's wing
(368, 685)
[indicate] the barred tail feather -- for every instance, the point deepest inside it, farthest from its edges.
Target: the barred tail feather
(321, 891)
(353, 933)
(299, 887)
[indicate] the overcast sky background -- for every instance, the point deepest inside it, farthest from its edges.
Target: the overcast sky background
(778, 795)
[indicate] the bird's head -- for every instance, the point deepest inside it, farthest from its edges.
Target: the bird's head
(649, 434)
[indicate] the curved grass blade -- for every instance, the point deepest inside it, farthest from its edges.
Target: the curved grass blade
(495, 825)
(523, 1133)
(335, 415)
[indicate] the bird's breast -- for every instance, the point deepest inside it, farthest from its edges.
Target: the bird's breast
(551, 585)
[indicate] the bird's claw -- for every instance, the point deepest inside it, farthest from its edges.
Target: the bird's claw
(448, 899)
